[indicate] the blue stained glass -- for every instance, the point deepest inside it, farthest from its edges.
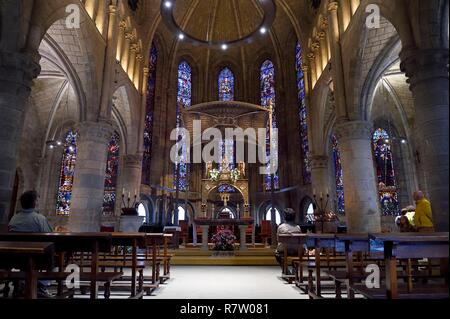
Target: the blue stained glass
(268, 100)
(66, 175)
(384, 164)
(303, 116)
(112, 172)
(149, 115)
(184, 100)
(226, 85)
(339, 175)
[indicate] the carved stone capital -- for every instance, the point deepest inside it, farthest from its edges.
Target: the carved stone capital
(333, 6)
(318, 162)
(315, 46)
(129, 36)
(123, 25)
(98, 132)
(424, 65)
(355, 130)
(311, 56)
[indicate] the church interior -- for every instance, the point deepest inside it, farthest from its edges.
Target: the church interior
(114, 122)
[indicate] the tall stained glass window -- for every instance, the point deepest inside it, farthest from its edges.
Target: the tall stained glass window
(268, 100)
(226, 85)
(69, 159)
(339, 175)
(384, 163)
(149, 115)
(184, 100)
(112, 172)
(303, 115)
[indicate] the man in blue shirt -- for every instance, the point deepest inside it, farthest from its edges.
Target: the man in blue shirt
(29, 220)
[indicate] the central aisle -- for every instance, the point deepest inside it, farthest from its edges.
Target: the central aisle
(226, 282)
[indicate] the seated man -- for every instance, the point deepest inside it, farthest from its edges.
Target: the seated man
(289, 227)
(28, 220)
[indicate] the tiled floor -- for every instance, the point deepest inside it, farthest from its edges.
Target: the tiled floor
(222, 282)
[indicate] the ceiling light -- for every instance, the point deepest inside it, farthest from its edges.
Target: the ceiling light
(168, 4)
(263, 30)
(224, 47)
(181, 36)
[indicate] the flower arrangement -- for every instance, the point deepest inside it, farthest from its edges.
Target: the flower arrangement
(235, 175)
(214, 175)
(224, 240)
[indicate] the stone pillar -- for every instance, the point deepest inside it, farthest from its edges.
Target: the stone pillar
(89, 178)
(121, 40)
(132, 60)
(361, 193)
(427, 71)
(130, 176)
(17, 71)
(336, 61)
(205, 239)
(242, 239)
(312, 64)
(320, 175)
(109, 64)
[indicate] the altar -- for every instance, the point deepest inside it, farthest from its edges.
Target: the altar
(209, 226)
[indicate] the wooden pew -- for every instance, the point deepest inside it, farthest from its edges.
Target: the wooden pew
(349, 244)
(292, 240)
(319, 242)
(410, 246)
(69, 243)
(28, 256)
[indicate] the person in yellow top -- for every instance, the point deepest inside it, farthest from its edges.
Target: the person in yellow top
(423, 218)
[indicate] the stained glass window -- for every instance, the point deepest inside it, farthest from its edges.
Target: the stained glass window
(384, 163)
(184, 100)
(112, 171)
(339, 176)
(69, 159)
(149, 114)
(226, 85)
(268, 100)
(303, 115)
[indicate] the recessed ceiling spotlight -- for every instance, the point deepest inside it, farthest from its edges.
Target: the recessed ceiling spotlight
(263, 30)
(168, 4)
(59, 143)
(181, 36)
(224, 46)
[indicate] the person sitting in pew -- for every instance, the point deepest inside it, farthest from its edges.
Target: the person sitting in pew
(289, 227)
(29, 220)
(423, 218)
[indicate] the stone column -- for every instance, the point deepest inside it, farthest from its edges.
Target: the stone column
(130, 175)
(17, 71)
(361, 192)
(243, 237)
(132, 60)
(109, 64)
(121, 40)
(89, 178)
(312, 64)
(320, 174)
(427, 71)
(336, 61)
(205, 239)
